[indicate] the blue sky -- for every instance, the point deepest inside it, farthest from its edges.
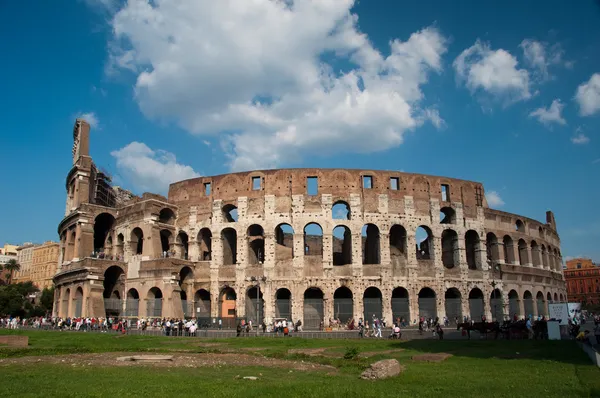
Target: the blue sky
(501, 93)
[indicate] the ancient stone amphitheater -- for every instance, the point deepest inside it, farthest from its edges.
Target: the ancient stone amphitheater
(308, 244)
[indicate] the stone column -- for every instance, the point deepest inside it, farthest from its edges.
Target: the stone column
(77, 243)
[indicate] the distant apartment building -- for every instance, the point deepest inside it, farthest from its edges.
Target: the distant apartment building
(43, 264)
(9, 250)
(5, 258)
(582, 277)
(25, 259)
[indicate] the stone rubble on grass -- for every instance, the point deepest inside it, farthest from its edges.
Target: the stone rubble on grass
(250, 378)
(382, 370)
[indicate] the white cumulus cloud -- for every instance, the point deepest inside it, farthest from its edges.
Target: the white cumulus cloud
(550, 115)
(91, 118)
(493, 72)
(588, 96)
(540, 56)
(276, 79)
(580, 139)
(494, 199)
(150, 170)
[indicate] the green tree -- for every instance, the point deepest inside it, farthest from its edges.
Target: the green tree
(47, 299)
(12, 266)
(14, 299)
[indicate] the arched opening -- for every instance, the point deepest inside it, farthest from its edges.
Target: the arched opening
(78, 302)
(513, 304)
(549, 298)
(535, 254)
(340, 211)
(343, 304)
(398, 245)
(372, 304)
(183, 245)
(137, 241)
(496, 306)
(556, 298)
(476, 307)
(230, 213)
(227, 300)
(120, 247)
(255, 305)
(447, 215)
(166, 216)
(229, 238)
(520, 226)
(65, 303)
(342, 245)
(154, 303)
(108, 248)
(523, 258)
(313, 240)
(450, 253)
(472, 246)
(544, 255)
(166, 239)
(370, 244)
(491, 245)
(202, 305)
(103, 224)
(427, 303)
(284, 239)
(205, 244)
(540, 304)
(562, 298)
(186, 285)
(509, 250)
(256, 244)
(424, 245)
(132, 303)
(114, 281)
(313, 308)
(400, 306)
(453, 304)
(528, 303)
(283, 304)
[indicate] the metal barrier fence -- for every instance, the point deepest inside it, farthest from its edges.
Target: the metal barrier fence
(428, 307)
(372, 307)
(283, 308)
(454, 309)
(343, 308)
(154, 308)
(401, 309)
(313, 313)
(476, 309)
(497, 310)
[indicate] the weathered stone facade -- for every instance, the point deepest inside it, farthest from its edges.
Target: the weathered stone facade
(201, 251)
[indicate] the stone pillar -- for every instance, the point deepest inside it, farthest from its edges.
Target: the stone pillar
(384, 248)
(464, 304)
(522, 308)
(269, 255)
(500, 250)
(269, 300)
(77, 243)
(413, 301)
(386, 297)
(441, 305)
(529, 261)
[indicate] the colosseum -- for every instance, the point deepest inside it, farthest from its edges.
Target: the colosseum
(301, 244)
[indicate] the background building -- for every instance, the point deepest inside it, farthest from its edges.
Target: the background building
(24, 258)
(4, 274)
(9, 250)
(43, 264)
(583, 281)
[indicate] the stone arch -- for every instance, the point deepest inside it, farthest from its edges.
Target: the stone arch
(154, 301)
(342, 245)
(227, 299)
(256, 244)
(513, 304)
(313, 240)
(205, 244)
(496, 305)
(340, 210)
(541, 303)
(549, 297)
(132, 303)
(520, 226)
(166, 216)
(103, 224)
(491, 244)
(427, 303)
(78, 302)
(202, 304)
(183, 245)
(166, 242)
(447, 215)
(528, 303)
(398, 245)
(255, 305)
(229, 239)
(137, 241)
(284, 240)
(476, 306)
(343, 304)
(535, 254)
(472, 247)
(555, 297)
(509, 250)
(114, 281)
(453, 304)
(371, 244)
(372, 303)
(186, 285)
(450, 250)
(120, 247)
(523, 257)
(561, 298)
(313, 308)
(283, 304)
(230, 213)
(66, 299)
(400, 305)
(424, 243)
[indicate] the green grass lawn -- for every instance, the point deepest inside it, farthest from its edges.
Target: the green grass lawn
(476, 369)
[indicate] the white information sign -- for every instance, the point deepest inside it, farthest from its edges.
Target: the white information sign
(553, 330)
(559, 312)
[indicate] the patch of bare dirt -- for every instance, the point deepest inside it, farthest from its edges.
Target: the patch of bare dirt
(179, 360)
(315, 352)
(373, 353)
(439, 357)
(252, 349)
